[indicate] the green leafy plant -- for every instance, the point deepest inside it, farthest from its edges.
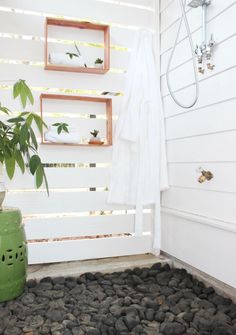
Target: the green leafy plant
(98, 61)
(71, 55)
(18, 143)
(94, 133)
(61, 126)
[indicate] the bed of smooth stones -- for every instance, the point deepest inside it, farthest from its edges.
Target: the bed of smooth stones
(156, 300)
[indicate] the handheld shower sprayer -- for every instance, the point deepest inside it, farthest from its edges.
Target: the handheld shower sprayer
(202, 51)
(183, 18)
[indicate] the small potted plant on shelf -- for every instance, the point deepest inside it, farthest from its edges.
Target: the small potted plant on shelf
(98, 63)
(94, 139)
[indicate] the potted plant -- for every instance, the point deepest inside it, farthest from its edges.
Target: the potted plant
(94, 139)
(98, 63)
(18, 147)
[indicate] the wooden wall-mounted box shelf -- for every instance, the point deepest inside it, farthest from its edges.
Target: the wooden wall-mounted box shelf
(80, 25)
(108, 106)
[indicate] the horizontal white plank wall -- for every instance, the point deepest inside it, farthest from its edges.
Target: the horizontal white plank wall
(199, 220)
(203, 246)
(75, 222)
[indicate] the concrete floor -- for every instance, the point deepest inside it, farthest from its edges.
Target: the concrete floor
(97, 265)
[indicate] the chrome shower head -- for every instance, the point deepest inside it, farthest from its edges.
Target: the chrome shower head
(197, 3)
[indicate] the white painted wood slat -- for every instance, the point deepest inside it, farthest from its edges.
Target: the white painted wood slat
(209, 148)
(55, 105)
(50, 252)
(36, 76)
(83, 226)
(216, 118)
(15, 23)
(215, 88)
(64, 201)
(30, 50)
(216, 205)
(89, 10)
(70, 154)
(186, 175)
(63, 178)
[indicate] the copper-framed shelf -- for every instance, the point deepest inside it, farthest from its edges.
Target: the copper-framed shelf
(107, 101)
(79, 25)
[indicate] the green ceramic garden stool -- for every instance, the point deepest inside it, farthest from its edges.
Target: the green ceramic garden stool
(13, 254)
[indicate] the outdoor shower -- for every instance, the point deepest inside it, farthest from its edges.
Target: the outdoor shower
(203, 51)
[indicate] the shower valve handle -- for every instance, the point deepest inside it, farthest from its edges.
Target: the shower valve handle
(210, 66)
(211, 42)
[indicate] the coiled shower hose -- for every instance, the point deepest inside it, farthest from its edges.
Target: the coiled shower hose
(184, 17)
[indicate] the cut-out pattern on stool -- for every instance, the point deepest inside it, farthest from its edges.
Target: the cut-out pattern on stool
(10, 256)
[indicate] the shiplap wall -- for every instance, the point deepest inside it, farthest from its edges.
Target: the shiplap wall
(54, 225)
(199, 220)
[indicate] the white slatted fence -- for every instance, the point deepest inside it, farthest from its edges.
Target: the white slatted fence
(74, 222)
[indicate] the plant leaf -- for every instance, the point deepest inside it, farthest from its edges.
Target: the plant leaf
(23, 94)
(29, 120)
(34, 163)
(46, 181)
(65, 128)
(28, 92)
(33, 138)
(39, 122)
(16, 119)
(20, 161)
(5, 110)
(10, 166)
(39, 176)
(59, 129)
(16, 89)
(22, 89)
(24, 133)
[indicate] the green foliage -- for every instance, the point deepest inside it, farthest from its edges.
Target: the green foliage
(4, 109)
(71, 55)
(94, 133)
(21, 89)
(18, 143)
(61, 126)
(98, 61)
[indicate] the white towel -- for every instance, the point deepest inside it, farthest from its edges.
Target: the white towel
(64, 59)
(52, 136)
(139, 168)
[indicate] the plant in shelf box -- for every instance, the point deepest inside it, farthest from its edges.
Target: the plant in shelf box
(98, 63)
(61, 127)
(94, 139)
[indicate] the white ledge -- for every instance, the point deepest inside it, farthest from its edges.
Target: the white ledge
(215, 223)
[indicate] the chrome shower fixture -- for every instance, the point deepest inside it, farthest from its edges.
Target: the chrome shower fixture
(204, 50)
(197, 3)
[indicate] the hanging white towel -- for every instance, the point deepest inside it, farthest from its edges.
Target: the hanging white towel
(51, 135)
(61, 58)
(139, 168)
